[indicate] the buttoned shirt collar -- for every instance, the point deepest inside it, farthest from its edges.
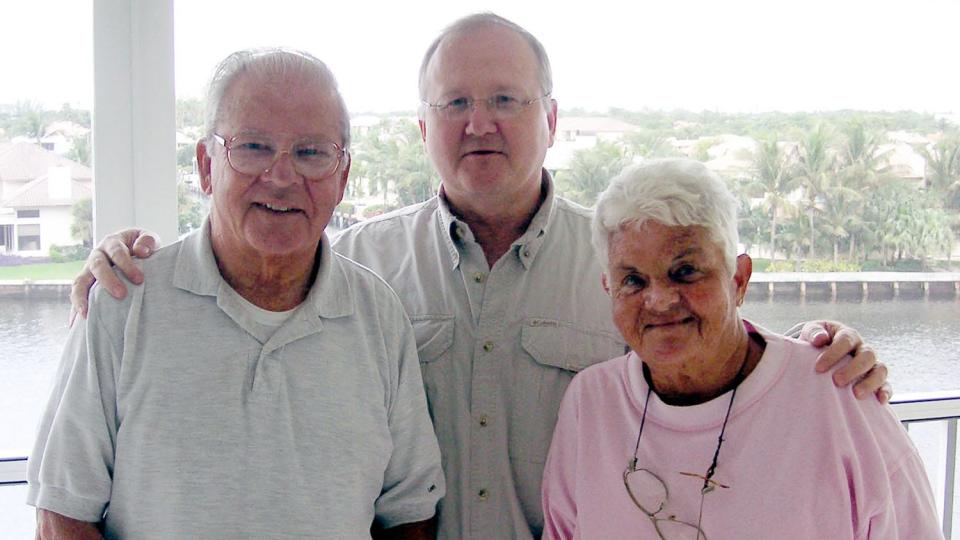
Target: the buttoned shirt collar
(526, 247)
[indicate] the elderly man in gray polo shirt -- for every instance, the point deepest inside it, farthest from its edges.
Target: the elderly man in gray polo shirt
(258, 385)
(497, 274)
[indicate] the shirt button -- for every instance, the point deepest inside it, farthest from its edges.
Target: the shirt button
(482, 494)
(488, 346)
(526, 253)
(483, 420)
(478, 277)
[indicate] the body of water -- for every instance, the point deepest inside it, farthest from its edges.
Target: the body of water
(919, 340)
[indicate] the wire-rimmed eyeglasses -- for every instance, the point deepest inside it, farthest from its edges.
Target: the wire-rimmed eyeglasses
(500, 106)
(254, 153)
(650, 493)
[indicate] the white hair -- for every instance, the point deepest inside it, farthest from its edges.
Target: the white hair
(477, 20)
(271, 62)
(674, 192)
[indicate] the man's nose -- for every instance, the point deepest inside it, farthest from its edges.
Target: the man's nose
(282, 170)
(480, 120)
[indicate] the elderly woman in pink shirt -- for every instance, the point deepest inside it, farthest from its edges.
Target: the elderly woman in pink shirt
(714, 427)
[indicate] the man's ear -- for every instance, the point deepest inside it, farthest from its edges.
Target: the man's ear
(552, 121)
(344, 176)
(203, 165)
(423, 128)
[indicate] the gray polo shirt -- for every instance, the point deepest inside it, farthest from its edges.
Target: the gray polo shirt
(497, 347)
(171, 417)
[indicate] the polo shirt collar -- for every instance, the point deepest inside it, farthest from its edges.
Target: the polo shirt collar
(196, 271)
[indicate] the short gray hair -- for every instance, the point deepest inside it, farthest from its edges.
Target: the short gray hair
(270, 61)
(545, 74)
(674, 192)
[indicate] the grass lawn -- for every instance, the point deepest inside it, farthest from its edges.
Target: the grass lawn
(65, 270)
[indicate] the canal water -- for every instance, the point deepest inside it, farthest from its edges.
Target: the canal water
(918, 339)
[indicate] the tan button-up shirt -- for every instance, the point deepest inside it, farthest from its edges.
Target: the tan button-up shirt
(498, 346)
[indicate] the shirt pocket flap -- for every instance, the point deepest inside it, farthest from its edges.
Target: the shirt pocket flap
(434, 335)
(558, 344)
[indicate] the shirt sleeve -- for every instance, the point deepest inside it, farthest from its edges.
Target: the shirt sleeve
(70, 468)
(559, 474)
(912, 511)
(413, 481)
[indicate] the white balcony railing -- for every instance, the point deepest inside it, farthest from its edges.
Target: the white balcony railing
(912, 409)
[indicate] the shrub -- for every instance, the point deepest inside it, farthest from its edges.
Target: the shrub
(59, 254)
(377, 209)
(813, 266)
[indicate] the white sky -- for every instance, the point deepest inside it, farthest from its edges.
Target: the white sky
(734, 55)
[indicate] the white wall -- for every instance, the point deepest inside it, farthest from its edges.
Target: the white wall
(55, 224)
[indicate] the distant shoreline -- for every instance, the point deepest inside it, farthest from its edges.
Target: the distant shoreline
(827, 285)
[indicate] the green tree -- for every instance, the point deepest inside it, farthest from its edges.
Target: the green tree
(943, 170)
(862, 169)
(80, 151)
(648, 144)
(82, 226)
(68, 113)
(590, 170)
(816, 168)
(773, 178)
(189, 113)
(392, 154)
(30, 120)
(186, 155)
(190, 212)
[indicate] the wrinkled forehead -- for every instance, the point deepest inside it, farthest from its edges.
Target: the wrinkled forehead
(297, 103)
(486, 57)
(652, 239)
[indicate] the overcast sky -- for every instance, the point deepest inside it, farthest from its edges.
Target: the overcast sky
(734, 55)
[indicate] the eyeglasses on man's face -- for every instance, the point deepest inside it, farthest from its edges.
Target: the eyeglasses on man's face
(649, 492)
(500, 106)
(254, 153)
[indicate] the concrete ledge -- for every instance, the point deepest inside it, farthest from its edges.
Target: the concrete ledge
(863, 285)
(41, 288)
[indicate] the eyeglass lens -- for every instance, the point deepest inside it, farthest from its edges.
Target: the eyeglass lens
(313, 158)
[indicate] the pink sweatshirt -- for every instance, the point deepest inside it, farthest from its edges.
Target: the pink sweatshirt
(803, 458)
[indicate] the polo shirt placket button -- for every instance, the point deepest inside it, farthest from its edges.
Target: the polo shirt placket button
(483, 420)
(488, 346)
(482, 494)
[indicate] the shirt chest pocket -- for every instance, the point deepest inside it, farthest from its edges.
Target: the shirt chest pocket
(556, 351)
(434, 334)
(561, 345)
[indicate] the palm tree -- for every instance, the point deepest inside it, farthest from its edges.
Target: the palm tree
(861, 169)
(815, 171)
(943, 170)
(841, 210)
(591, 170)
(943, 182)
(774, 178)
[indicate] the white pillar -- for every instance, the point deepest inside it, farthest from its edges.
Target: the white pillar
(134, 123)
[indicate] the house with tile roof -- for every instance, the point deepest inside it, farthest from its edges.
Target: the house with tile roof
(38, 189)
